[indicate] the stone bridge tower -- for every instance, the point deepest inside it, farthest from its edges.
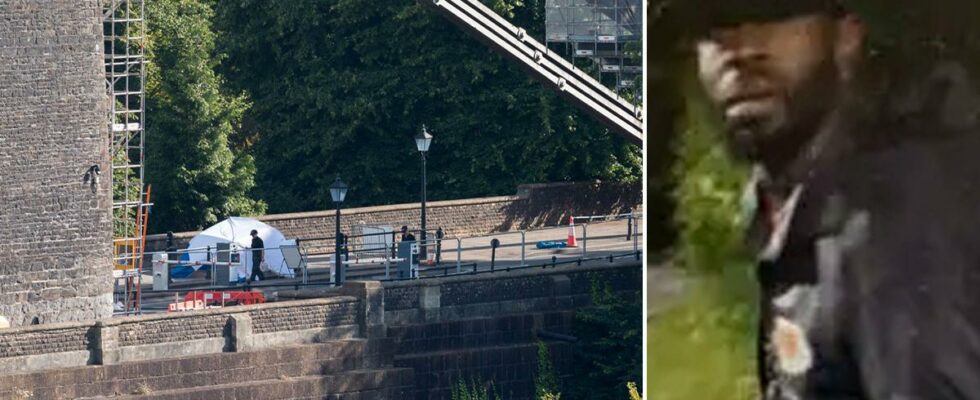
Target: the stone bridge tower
(55, 224)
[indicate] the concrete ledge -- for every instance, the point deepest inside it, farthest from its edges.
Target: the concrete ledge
(306, 336)
(44, 361)
(170, 350)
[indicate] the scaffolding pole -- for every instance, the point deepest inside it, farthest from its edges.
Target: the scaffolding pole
(124, 32)
(599, 31)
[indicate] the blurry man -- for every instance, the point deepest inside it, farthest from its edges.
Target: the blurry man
(867, 203)
(407, 236)
(258, 247)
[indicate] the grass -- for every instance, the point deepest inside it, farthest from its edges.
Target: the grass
(143, 389)
(704, 347)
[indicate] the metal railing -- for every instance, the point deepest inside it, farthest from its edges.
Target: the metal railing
(494, 253)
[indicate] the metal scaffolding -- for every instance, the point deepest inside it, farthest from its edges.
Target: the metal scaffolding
(124, 33)
(602, 31)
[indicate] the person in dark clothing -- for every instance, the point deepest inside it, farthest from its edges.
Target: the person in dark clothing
(171, 246)
(406, 235)
(171, 253)
(865, 205)
(343, 245)
(257, 256)
(439, 235)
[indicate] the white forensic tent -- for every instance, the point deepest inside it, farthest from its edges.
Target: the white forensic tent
(235, 230)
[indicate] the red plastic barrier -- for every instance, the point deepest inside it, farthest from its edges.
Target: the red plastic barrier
(223, 297)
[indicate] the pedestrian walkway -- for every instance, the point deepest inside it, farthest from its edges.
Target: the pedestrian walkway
(466, 255)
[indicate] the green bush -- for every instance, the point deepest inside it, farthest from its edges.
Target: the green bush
(704, 347)
(546, 381)
(472, 390)
(606, 355)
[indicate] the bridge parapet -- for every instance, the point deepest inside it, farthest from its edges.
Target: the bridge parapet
(531, 290)
(141, 338)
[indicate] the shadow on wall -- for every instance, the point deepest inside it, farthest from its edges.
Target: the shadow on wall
(552, 204)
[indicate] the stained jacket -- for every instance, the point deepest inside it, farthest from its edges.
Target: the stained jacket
(869, 265)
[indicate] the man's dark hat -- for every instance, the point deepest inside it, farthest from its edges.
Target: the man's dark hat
(698, 16)
(254, 232)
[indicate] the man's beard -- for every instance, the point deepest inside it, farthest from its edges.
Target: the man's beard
(781, 136)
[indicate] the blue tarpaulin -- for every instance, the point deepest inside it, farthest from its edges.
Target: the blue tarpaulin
(552, 244)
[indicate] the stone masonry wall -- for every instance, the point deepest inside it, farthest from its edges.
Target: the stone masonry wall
(143, 338)
(55, 246)
(176, 329)
(534, 206)
(485, 327)
(54, 339)
(487, 295)
(303, 317)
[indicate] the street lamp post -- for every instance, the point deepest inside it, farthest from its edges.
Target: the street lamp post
(338, 191)
(422, 142)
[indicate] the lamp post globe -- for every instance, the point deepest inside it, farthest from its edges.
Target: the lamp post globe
(338, 192)
(422, 142)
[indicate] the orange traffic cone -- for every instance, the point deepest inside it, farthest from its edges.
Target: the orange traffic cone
(571, 232)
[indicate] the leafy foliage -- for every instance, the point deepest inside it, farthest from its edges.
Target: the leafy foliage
(606, 356)
(704, 347)
(198, 178)
(633, 391)
(125, 185)
(546, 381)
(709, 188)
(472, 390)
(341, 87)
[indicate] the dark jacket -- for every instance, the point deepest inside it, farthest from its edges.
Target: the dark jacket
(257, 245)
(880, 267)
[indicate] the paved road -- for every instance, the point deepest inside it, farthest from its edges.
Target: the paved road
(595, 240)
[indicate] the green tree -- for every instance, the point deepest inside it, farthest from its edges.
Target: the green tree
(198, 177)
(341, 87)
(606, 355)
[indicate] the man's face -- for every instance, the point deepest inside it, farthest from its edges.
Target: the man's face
(771, 78)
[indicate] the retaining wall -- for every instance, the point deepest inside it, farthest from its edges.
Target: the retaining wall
(533, 206)
(230, 329)
(532, 290)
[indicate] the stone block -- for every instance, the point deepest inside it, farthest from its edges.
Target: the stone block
(105, 344)
(241, 332)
